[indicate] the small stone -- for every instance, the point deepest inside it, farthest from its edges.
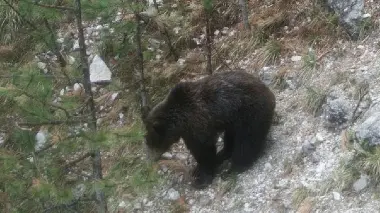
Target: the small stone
(268, 166)
(319, 137)
(164, 168)
(167, 155)
(62, 92)
(122, 204)
(367, 15)
(360, 47)
(204, 200)
(60, 40)
(70, 60)
(363, 69)
(149, 204)
(308, 148)
(181, 62)
(181, 156)
(191, 201)
(172, 194)
(137, 205)
(296, 58)
(76, 45)
(42, 66)
(337, 196)
(369, 130)
(248, 208)
(361, 183)
(1, 139)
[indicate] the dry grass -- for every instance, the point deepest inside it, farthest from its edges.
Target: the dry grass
(299, 195)
(314, 100)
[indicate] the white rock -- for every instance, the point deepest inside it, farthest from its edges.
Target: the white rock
(181, 156)
(360, 47)
(122, 204)
(60, 40)
(99, 121)
(247, 207)
(176, 30)
(99, 72)
(319, 137)
(70, 60)
(1, 139)
(151, 2)
(232, 33)
(30, 159)
(167, 155)
(296, 58)
(172, 194)
(361, 183)
(150, 12)
(76, 45)
(137, 205)
(78, 86)
(42, 66)
(367, 15)
(337, 196)
(268, 166)
(41, 138)
(181, 62)
(114, 96)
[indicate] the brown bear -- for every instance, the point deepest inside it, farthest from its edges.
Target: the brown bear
(234, 103)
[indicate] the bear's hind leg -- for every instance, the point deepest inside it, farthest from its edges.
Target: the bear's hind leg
(248, 144)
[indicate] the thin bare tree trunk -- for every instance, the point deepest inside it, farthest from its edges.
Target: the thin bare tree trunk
(155, 4)
(96, 156)
(244, 13)
(143, 96)
(208, 43)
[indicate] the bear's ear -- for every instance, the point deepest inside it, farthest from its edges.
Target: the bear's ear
(144, 112)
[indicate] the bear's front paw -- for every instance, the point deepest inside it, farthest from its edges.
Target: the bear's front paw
(201, 179)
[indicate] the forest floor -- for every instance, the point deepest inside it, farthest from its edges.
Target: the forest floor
(302, 171)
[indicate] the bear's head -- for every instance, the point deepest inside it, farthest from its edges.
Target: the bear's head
(163, 122)
(160, 133)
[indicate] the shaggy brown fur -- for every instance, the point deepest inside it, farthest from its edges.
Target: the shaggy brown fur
(235, 103)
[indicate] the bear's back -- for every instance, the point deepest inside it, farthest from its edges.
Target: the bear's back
(224, 97)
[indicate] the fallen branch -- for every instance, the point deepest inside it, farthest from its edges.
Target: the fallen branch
(72, 163)
(57, 7)
(362, 93)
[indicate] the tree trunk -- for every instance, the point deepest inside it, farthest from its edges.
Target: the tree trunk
(96, 157)
(143, 96)
(244, 13)
(208, 43)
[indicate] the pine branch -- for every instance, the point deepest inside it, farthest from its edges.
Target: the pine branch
(57, 7)
(45, 103)
(57, 122)
(19, 14)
